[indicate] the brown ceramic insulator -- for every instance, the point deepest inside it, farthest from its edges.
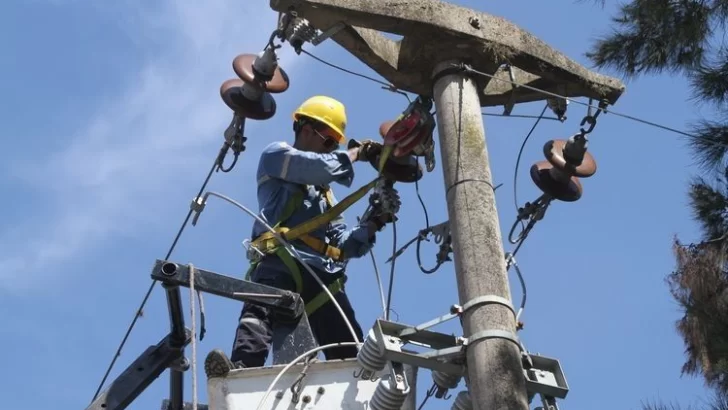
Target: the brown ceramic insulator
(554, 152)
(384, 128)
(405, 169)
(231, 93)
(569, 190)
(243, 67)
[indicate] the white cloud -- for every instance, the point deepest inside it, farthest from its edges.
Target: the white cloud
(158, 131)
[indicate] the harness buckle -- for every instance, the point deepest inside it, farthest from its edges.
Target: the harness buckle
(251, 252)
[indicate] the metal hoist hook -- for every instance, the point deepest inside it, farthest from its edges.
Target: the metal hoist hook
(592, 119)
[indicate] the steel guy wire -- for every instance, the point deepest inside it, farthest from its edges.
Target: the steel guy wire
(549, 93)
(216, 164)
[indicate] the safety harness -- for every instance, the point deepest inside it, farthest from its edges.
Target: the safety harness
(268, 244)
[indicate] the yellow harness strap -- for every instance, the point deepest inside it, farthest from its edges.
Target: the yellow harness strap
(268, 243)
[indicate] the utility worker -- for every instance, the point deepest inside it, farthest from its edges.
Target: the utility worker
(293, 187)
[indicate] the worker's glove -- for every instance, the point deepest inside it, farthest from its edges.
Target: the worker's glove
(386, 203)
(389, 198)
(368, 149)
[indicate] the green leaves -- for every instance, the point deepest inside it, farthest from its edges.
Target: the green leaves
(651, 36)
(687, 36)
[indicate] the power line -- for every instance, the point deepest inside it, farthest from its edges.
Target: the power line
(321, 60)
(539, 90)
(216, 164)
(549, 93)
(385, 85)
(541, 117)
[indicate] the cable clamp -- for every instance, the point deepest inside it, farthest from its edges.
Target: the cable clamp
(493, 334)
(453, 69)
(485, 300)
(197, 206)
(252, 253)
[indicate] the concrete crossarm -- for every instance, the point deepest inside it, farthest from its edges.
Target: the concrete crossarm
(435, 31)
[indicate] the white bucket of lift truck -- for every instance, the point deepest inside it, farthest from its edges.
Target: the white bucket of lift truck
(328, 385)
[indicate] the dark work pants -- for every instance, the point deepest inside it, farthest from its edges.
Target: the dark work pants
(255, 331)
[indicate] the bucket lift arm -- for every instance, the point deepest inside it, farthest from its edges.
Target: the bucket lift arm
(169, 352)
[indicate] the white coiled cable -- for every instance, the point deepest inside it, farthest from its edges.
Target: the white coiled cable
(293, 253)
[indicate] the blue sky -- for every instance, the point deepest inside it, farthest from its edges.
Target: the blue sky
(122, 103)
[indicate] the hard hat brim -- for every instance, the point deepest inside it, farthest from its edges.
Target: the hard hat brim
(340, 137)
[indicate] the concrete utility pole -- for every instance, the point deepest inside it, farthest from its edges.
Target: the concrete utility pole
(437, 35)
(496, 378)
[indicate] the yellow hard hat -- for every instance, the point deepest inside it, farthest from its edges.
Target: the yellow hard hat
(326, 110)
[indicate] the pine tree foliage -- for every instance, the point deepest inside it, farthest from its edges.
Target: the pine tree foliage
(699, 285)
(687, 37)
(676, 36)
(719, 401)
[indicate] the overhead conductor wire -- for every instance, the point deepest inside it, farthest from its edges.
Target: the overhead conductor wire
(511, 256)
(217, 164)
(511, 261)
(518, 158)
(515, 83)
(390, 87)
(549, 93)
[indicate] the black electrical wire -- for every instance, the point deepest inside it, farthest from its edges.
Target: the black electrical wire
(424, 270)
(216, 164)
(422, 202)
(430, 392)
(423, 234)
(518, 159)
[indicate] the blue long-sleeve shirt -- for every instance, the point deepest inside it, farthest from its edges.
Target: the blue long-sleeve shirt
(282, 171)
